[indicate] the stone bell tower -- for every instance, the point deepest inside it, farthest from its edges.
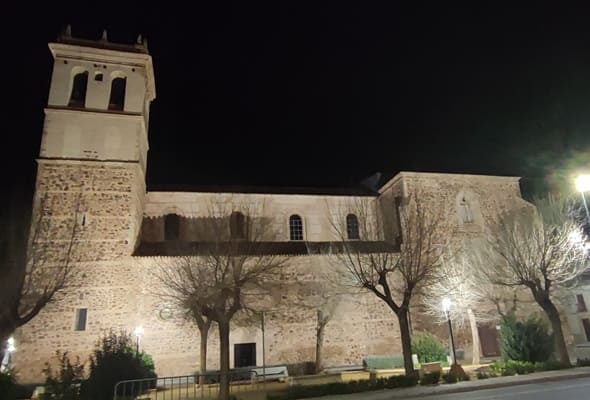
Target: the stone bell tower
(95, 136)
(90, 181)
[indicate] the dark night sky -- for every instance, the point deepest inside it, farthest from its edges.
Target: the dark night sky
(324, 94)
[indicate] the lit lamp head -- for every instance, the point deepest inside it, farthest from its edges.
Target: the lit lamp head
(10, 345)
(138, 332)
(583, 183)
(446, 304)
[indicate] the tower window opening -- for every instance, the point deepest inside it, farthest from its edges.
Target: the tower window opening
(78, 95)
(98, 76)
(117, 99)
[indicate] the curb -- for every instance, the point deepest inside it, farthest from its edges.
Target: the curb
(496, 385)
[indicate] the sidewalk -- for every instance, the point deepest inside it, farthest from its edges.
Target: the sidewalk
(468, 386)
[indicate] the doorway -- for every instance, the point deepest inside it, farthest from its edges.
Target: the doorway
(488, 337)
(244, 355)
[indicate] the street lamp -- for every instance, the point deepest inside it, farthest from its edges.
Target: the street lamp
(583, 185)
(446, 306)
(138, 334)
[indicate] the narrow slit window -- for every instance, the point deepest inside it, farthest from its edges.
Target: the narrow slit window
(79, 85)
(465, 211)
(295, 227)
(81, 316)
(117, 99)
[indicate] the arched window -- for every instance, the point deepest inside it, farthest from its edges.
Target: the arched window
(237, 225)
(352, 227)
(295, 227)
(465, 211)
(117, 99)
(78, 95)
(171, 227)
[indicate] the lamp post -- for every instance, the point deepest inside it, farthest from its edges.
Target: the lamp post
(263, 351)
(446, 306)
(138, 334)
(583, 185)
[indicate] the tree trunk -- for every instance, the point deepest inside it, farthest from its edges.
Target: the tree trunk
(224, 360)
(319, 341)
(204, 332)
(475, 356)
(404, 328)
(545, 302)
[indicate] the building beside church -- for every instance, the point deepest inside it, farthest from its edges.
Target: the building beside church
(91, 175)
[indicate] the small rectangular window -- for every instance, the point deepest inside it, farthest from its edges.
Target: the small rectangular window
(581, 304)
(586, 324)
(81, 314)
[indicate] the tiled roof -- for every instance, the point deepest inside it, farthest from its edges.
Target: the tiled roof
(328, 191)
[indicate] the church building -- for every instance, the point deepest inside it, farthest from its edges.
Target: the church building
(91, 177)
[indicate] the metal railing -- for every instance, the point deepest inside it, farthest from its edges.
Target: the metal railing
(184, 387)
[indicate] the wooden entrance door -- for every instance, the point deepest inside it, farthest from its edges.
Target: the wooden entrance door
(490, 342)
(244, 355)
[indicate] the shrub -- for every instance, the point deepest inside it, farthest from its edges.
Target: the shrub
(431, 378)
(511, 367)
(551, 365)
(483, 375)
(583, 362)
(302, 391)
(455, 374)
(114, 359)
(525, 340)
(65, 384)
(428, 348)
(7, 385)
(449, 378)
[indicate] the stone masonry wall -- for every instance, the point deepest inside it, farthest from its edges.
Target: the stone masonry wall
(103, 233)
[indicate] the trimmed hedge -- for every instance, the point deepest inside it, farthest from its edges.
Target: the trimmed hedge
(302, 392)
(431, 378)
(511, 367)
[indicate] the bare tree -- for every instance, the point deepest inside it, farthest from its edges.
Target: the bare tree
(36, 260)
(229, 269)
(542, 249)
(394, 272)
(472, 301)
(322, 295)
(187, 296)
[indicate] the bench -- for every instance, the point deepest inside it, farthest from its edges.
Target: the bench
(270, 373)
